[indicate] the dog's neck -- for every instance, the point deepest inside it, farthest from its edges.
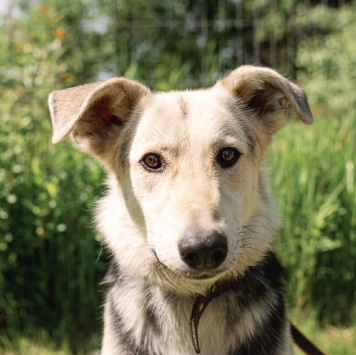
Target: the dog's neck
(200, 304)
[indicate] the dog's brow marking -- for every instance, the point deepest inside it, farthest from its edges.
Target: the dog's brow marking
(251, 143)
(126, 145)
(123, 152)
(183, 106)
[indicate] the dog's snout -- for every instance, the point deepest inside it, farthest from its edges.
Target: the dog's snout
(203, 251)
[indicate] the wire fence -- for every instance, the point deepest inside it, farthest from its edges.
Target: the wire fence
(216, 38)
(209, 37)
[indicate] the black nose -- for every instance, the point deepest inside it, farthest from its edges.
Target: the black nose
(203, 251)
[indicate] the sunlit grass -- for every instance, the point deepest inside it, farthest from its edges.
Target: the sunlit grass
(30, 347)
(332, 340)
(312, 178)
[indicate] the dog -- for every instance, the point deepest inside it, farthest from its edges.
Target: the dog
(188, 215)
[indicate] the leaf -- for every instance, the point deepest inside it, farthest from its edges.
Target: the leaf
(327, 244)
(52, 189)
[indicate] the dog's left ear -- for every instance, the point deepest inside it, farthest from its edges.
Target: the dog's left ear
(267, 93)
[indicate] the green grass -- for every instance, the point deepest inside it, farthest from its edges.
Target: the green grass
(312, 177)
(43, 344)
(30, 348)
(333, 341)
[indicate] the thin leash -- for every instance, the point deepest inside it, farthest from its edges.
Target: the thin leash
(303, 342)
(216, 290)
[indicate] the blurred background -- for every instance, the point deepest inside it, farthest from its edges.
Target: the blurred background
(51, 260)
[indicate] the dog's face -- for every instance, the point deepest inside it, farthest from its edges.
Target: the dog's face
(188, 169)
(194, 173)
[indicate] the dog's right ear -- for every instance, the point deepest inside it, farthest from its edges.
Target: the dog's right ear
(94, 114)
(267, 93)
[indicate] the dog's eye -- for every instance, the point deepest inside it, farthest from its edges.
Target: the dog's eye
(227, 157)
(152, 162)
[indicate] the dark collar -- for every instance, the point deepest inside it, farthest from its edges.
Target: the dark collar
(219, 288)
(199, 306)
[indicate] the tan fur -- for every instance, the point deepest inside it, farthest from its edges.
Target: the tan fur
(145, 214)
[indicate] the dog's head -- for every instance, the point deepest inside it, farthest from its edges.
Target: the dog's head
(189, 204)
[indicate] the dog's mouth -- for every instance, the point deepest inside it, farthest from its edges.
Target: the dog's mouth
(202, 275)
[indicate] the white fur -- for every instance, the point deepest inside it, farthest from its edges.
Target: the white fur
(145, 214)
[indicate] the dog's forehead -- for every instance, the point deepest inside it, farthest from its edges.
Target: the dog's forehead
(207, 115)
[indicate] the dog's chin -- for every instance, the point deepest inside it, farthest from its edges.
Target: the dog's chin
(203, 275)
(183, 282)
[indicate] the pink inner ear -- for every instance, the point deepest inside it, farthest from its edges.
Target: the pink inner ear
(102, 109)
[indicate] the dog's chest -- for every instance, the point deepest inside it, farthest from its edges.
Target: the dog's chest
(248, 318)
(216, 328)
(152, 322)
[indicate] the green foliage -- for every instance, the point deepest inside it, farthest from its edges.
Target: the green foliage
(329, 61)
(48, 254)
(313, 180)
(313, 170)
